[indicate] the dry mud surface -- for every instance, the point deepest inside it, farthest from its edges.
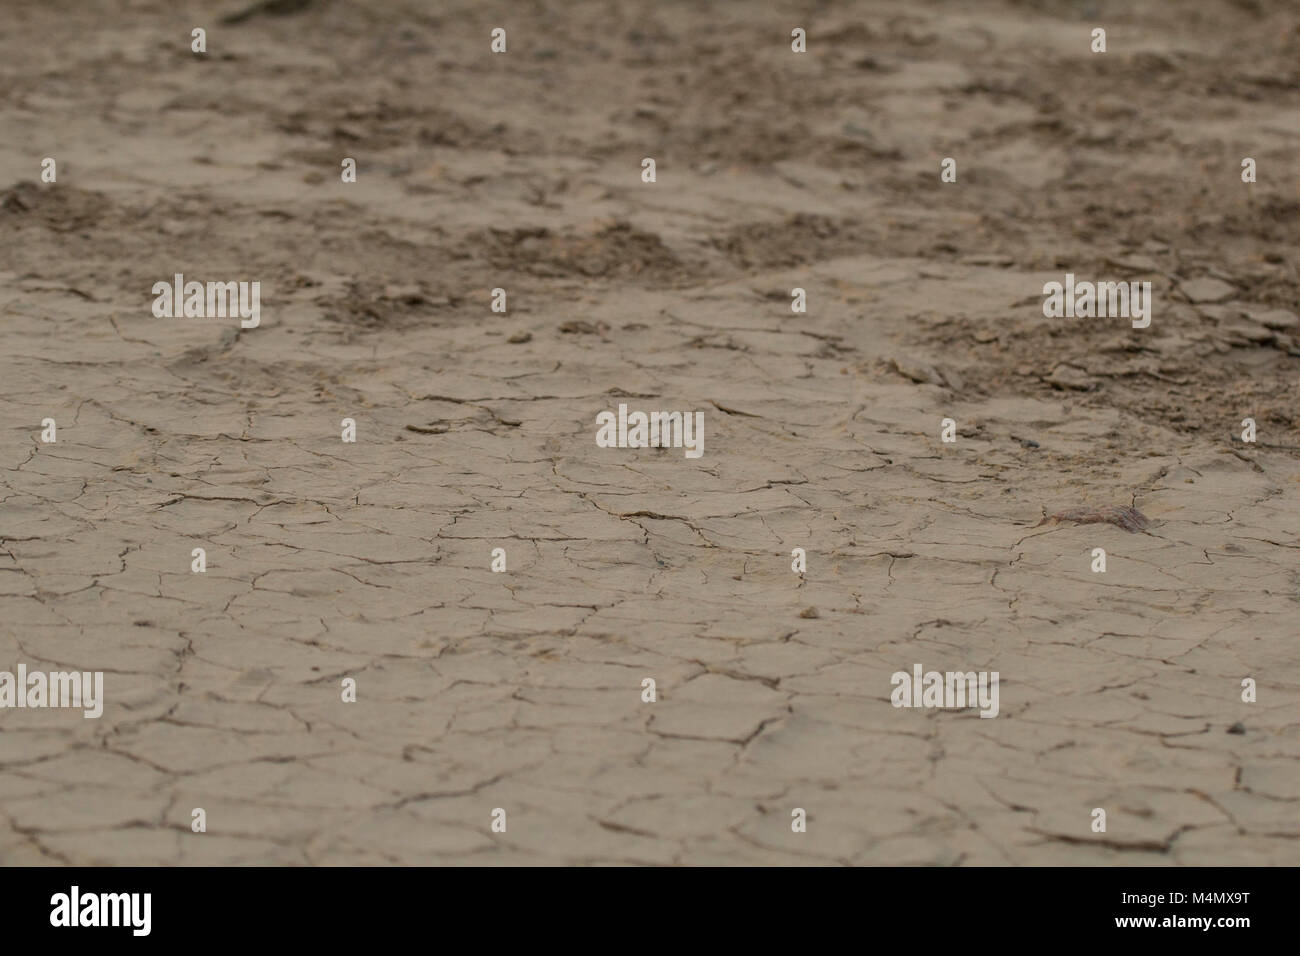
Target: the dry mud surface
(523, 690)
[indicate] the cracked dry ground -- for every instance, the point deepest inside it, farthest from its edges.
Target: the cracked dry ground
(522, 690)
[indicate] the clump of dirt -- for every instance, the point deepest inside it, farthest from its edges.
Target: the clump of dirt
(372, 305)
(617, 251)
(1130, 519)
(62, 208)
(798, 239)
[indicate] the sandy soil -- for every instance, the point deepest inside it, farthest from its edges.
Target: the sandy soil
(522, 690)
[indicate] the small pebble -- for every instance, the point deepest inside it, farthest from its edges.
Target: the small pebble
(1206, 290)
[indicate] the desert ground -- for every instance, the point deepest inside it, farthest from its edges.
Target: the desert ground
(329, 561)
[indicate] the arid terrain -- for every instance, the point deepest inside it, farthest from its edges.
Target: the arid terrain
(475, 430)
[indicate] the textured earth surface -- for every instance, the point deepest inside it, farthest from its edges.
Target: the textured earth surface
(522, 690)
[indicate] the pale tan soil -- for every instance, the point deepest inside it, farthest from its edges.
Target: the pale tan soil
(522, 690)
